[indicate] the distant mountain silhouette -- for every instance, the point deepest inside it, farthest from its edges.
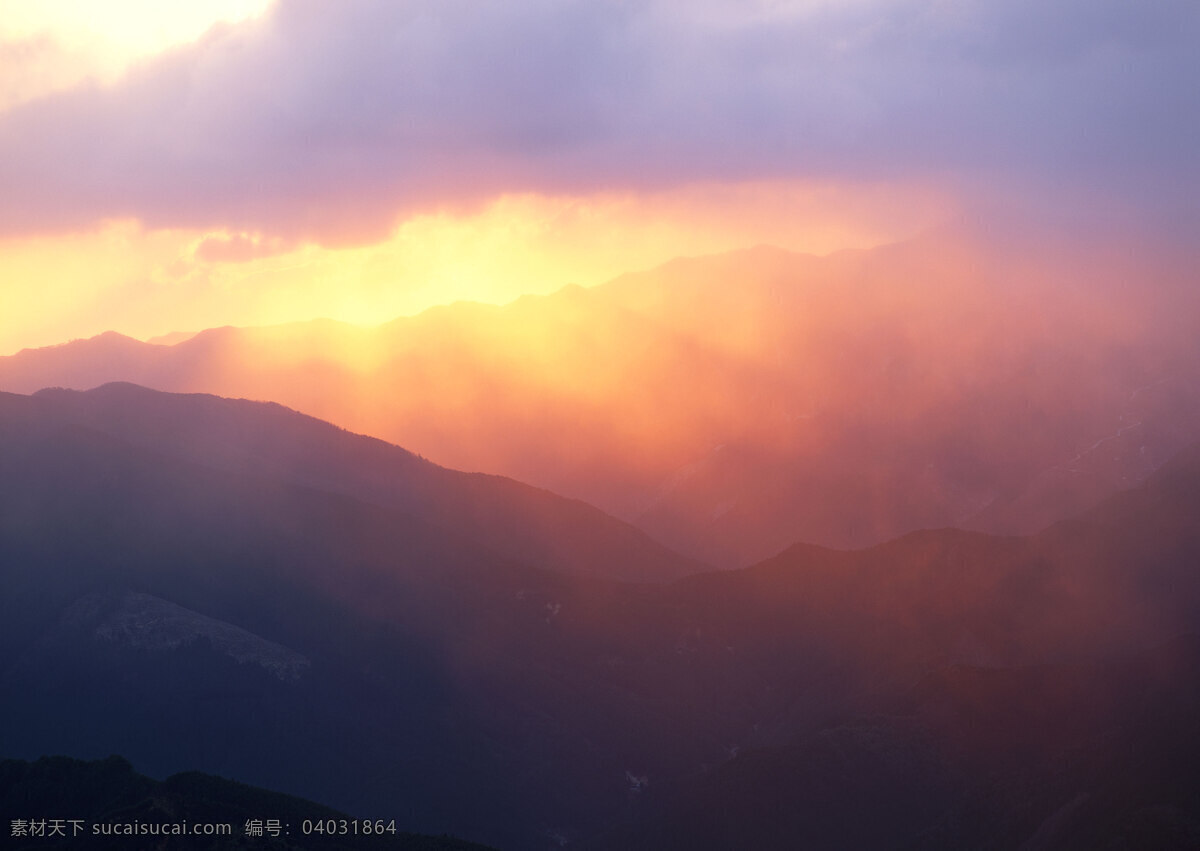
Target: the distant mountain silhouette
(732, 405)
(211, 611)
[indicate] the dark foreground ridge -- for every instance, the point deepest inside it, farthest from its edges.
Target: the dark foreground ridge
(96, 802)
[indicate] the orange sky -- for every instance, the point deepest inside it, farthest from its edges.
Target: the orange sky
(121, 275)
(170, 167)
(144, 283)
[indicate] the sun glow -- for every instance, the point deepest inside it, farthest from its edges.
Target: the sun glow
(51, 45)
(146, 283)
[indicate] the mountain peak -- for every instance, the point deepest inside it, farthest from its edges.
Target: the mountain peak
(269, 441)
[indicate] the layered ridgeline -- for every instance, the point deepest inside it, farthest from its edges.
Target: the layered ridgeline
(733, 405)
(203, 584)
(208, 607)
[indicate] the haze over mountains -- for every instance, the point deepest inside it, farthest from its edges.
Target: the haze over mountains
(889, 546)
(989, 382)
(272, 619)
(290, 604)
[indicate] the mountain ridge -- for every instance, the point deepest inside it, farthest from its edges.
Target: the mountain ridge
(957, 379)
(509, 703)
(518, 519)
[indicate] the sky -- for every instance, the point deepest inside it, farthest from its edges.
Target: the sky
(171, 167)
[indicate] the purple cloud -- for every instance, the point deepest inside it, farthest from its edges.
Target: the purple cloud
(330, 120)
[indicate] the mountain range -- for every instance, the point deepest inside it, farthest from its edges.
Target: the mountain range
(991, 382)
(214, 585)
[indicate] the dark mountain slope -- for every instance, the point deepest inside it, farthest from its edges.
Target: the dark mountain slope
(516, 520)
(1054, 757)
(221, 618)
(190, 616)
(105, 794)
(978, 692)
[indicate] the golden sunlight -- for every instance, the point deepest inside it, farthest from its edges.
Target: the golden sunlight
(146, 283)
(51, 45)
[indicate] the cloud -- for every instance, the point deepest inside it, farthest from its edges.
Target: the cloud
(329, 121)
(35, 65)
(239, 247)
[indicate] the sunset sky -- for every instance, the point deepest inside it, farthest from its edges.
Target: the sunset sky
(171, 167)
